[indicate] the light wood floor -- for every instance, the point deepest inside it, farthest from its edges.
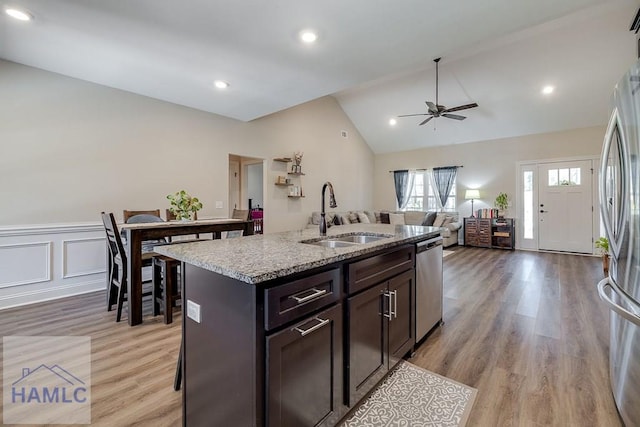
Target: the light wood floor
(530, 333)
(526, 329)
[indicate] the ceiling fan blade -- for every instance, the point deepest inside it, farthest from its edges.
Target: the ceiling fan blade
(461, 107)
(425, 121)
(453, 116)
(411, 115)
(432, 107)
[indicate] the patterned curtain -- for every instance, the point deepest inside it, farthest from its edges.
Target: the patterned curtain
(404, 183)
(443, 180)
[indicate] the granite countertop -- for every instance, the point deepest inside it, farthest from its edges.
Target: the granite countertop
(259, 258)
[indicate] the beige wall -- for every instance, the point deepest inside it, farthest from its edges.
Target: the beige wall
(70, 149)
(488, 165)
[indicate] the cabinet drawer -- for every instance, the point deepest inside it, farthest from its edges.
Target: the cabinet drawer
(293, 300)
(368, 272)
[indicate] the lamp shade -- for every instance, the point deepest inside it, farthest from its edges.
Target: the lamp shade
(472, 194)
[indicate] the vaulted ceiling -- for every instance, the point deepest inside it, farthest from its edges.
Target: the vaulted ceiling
(375, 57)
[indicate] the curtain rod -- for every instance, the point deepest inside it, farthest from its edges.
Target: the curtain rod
(423, 169)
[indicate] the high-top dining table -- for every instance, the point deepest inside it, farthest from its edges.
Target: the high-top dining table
(137, 233)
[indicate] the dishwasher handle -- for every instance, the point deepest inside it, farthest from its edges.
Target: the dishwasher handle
(428, 244)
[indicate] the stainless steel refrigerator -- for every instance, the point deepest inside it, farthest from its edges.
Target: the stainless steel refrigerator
(620, 210)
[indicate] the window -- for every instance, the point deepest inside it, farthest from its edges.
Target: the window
(565, 176)
(423, 195)
(527, 179)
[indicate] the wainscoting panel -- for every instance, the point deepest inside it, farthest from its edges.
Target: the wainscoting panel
(44, 262)
(83, 257)
(13, 269)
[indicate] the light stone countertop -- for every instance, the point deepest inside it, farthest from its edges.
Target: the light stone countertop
(259, 258)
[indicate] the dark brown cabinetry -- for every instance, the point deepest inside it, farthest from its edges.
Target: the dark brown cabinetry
(304, 381)
(489, 232)
(381, 323)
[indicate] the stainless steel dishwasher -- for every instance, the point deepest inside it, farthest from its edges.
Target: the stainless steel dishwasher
(428, 285)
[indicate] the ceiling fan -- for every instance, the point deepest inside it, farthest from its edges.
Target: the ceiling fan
(437, 110)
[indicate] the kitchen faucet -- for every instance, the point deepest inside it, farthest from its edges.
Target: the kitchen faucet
(332, 204)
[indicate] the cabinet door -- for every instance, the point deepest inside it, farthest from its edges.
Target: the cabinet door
(402, 334)
(367, 340)
(304, 379)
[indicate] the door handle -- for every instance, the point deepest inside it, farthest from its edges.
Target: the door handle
(604, 296)
(542, 211)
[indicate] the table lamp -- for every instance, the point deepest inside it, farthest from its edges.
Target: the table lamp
(471, 195)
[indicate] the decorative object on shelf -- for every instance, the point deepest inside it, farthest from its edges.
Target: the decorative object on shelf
(602, 243)
(472, 195)
(183, 205)
(502, 203)
(297, 160)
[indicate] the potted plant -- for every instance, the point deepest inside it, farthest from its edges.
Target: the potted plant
(183, 205)
(602, 243)
(502, 203)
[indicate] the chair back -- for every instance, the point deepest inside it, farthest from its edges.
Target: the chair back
(128, 214)
(113, 239)
(242, 214)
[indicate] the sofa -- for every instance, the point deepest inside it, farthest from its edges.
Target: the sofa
(447, 221)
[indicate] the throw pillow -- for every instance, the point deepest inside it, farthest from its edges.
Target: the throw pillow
(363, 218)
(397, 219)
(439, 220)
(344, 218)
(371, 216)
(378, 219)
(353, 217)
(384, 218)
(336, 220)
(429, 218)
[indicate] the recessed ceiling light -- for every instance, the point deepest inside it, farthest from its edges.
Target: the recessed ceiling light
(547, 90)
(19, 14)
(393, 122)
(308, 36)
(221, 84)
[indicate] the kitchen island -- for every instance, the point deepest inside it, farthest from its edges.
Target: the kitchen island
(279, 330)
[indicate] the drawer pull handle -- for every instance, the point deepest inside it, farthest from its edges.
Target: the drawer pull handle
(316, 293)
(304, 332)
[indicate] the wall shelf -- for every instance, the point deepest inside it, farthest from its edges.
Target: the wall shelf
(283, 159)
(283, 185)
(295, 197)
(295, 173)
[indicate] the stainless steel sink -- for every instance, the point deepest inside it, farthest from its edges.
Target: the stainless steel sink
(348, 240)
(360, 238)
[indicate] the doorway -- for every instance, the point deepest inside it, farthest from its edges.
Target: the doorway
(246, 184)
(556, 205)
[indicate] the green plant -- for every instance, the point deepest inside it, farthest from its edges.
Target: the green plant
(502, 201)
(182, 205)
(602, 243)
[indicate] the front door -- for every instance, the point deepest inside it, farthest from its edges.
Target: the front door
(565, 206)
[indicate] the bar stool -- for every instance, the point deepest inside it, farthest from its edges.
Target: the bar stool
(165, 286)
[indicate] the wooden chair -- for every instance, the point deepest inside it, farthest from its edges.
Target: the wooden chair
(128, 214)
(166, 290)
(242, 214)
(117, 274)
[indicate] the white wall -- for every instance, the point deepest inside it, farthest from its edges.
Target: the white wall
(70, 149)
(489, 165)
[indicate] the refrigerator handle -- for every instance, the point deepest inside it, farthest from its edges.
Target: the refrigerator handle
(604, 296)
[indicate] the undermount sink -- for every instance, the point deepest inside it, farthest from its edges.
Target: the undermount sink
(348, 240)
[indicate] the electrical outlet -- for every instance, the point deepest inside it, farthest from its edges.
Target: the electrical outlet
(193, 311)
(219, 204)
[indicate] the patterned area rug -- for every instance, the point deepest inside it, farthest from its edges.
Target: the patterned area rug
(412, 397)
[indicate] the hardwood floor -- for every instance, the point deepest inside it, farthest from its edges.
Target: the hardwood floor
(530, 333)
(132, 368)
(526, 329)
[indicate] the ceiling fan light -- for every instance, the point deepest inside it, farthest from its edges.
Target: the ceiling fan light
(393, 122)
